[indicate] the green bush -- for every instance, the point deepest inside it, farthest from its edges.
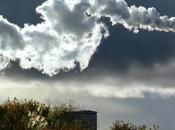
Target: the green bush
(121, 125)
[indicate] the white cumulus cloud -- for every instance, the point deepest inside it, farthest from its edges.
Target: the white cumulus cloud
(70, 33)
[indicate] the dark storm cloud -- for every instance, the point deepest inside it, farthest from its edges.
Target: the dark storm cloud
(124, 73)
(123, 49)
(146, 58)
(122, 57)
(79, 35)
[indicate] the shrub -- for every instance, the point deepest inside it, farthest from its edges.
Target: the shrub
(121, 125)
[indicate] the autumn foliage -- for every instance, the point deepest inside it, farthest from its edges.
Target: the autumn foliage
(32, 115)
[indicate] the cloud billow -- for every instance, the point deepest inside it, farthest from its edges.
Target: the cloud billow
(70, 33)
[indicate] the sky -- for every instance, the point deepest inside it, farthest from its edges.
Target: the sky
(113, 56)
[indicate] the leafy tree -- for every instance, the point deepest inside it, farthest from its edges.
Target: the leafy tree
(121, 125)
(31, 115)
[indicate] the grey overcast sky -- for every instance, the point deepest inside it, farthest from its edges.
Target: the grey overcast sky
(113, 56)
